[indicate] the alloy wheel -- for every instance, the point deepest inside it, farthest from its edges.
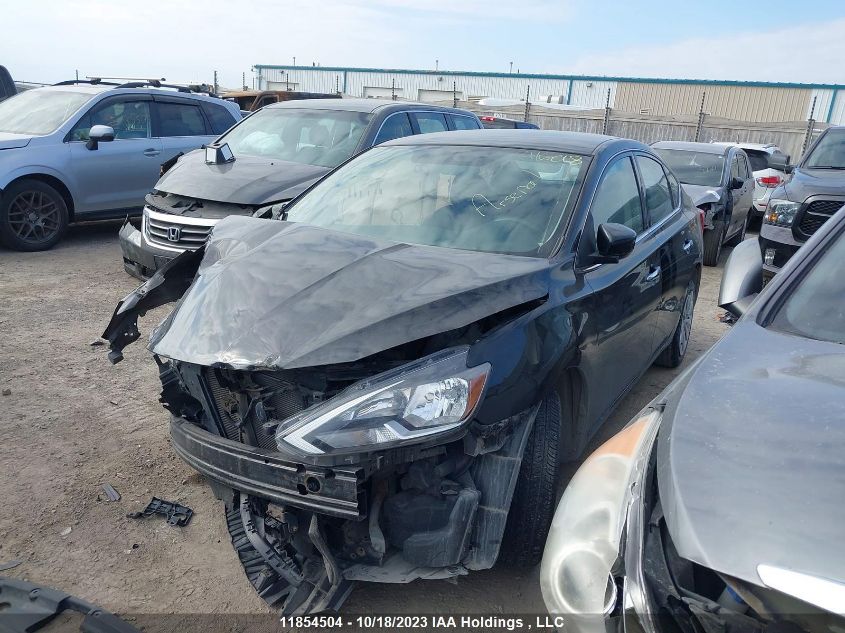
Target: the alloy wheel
(34, 217)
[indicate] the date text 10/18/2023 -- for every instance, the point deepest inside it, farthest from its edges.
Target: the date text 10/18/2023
(445, 622)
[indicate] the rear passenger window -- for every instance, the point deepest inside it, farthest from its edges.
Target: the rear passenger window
(674, 187)
(617, 198)
(221, 119)
(394, 126)
(177, 119)
(464, 122)
(658, 200)
(430, 122)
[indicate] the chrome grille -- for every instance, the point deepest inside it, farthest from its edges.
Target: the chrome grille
(175, 232)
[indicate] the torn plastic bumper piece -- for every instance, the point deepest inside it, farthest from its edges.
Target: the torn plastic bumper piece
(168, 284)
(25, 607)
(176, 514)
(306, 582)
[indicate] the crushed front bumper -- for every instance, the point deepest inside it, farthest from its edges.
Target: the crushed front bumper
(779, 244)
(263, 473)
(140, 258)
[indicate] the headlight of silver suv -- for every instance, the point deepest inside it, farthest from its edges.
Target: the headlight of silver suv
(781, 212)
(584, 543)
(410, 404)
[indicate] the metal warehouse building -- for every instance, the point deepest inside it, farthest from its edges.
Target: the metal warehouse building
(742, 101)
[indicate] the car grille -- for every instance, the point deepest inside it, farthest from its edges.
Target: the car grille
(815, 214)
(174, 232)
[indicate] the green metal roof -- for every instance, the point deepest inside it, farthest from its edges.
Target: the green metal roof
(641, 80)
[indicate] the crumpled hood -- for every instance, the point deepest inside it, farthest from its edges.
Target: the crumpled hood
(751, 456)
(10, 140)
(280, 295)
(813, 182)
(246, 180)
(695, 192)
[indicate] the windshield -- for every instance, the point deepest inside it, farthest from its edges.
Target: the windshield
(324, 138)
(489, 199)
(815, 308)
(829, 153)
(39, 112)
(759, 160)
(694, 168)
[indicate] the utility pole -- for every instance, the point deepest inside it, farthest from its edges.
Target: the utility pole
(216, 86)
(606, 123)
(454, 94)
(337, 84)
(811, 124)
(527, 103)
(77, 75)
(243, 80)
(436, 64)
(294, 60)
(511, 70)
(393, 89)
(701, 115)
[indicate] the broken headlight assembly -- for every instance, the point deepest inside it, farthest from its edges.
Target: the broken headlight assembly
(406, 405)
(781, 212)
(584, 550)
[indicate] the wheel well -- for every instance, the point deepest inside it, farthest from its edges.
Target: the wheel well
(56, 184)
(572, 392)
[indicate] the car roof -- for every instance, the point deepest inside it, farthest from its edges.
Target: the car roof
(361, 105)
(96, 89)
(549, 140)
(689, 146)
(759, 147)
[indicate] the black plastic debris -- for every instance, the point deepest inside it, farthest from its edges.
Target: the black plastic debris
(111, 493)
(10, 564)
(176, 514)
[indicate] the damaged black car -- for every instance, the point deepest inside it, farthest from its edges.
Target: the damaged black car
(381, 383)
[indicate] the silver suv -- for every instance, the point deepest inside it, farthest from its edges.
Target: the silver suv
(91, 150)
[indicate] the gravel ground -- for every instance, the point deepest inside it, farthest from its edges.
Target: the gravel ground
(72, 422)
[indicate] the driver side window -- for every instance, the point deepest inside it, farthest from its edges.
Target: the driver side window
(129, 119)
(617, 198)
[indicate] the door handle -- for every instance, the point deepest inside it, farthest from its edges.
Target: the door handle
(654, 274)
(687, 245)
(152, 151)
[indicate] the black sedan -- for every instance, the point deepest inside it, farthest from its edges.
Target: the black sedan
(724, 513)
(361, 380)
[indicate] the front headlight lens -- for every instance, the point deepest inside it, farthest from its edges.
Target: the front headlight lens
(431, 396)
(586, 532)
(781, 212)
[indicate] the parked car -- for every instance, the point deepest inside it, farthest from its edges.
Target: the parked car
(766, 178)
(426, 318)
(7, 86)
(497, 123)
(722, 513)
(276, 154)
(252, 100)
(719, 181)
(804, 202)
(91, 150)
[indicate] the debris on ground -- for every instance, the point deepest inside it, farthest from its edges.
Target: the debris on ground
(97, 342)
(10, 564)
(111, 493)
(66, 531)
(7, 392)
(176, 514)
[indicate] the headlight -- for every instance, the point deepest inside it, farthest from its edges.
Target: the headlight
(585, 538)
(781, 212)
(410, 404)
(271, 211)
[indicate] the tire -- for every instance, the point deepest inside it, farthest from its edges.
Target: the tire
(713, 243)
(674, 353)
(33, 216)
(737, 239)
(533, 503)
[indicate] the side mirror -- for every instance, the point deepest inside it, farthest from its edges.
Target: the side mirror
(737, 183)
(99, 134)
(781, 163)
(614, 241)
(742, 279)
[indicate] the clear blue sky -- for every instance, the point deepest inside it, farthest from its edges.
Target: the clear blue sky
(187, 39)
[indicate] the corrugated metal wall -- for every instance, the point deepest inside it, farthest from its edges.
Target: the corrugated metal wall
(744, 103)
(592, 94)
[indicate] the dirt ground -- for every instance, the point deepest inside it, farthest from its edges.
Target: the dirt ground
(73, 422)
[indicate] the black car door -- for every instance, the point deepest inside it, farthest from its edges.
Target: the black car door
(670, 239)
(625, 295)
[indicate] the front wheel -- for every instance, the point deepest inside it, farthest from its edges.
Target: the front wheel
(737, 239)
(533, 503)
(674, 353)
(33, 216)
(713, 243)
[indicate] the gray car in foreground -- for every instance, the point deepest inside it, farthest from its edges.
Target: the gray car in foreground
(92, 150)
(719, 180)
(723, 513)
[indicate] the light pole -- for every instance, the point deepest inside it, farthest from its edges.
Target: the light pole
(294, 60)
(511, 70)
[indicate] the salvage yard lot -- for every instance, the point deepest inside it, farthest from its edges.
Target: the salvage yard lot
(72, 422)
